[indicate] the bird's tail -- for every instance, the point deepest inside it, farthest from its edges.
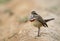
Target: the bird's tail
(47, 20)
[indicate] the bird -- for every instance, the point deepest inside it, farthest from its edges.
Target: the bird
(38, 21)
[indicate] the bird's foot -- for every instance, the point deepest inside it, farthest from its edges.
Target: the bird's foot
(37, 36)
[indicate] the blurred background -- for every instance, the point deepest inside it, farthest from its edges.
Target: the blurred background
(14, 24)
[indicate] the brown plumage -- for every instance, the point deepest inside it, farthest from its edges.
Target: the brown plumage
(38, 21)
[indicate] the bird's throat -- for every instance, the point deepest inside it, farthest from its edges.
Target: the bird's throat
(32, 20)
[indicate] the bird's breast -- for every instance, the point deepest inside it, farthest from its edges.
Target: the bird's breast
(36, 23)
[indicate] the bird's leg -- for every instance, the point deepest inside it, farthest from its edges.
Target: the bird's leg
(38, 31)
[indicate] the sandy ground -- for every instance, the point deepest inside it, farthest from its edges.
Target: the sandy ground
(11, 29)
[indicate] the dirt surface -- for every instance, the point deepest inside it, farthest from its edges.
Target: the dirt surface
(12, 29)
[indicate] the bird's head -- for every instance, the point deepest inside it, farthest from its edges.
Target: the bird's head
(34, 13)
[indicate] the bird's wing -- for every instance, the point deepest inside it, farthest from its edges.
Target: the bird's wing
(40, 19)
